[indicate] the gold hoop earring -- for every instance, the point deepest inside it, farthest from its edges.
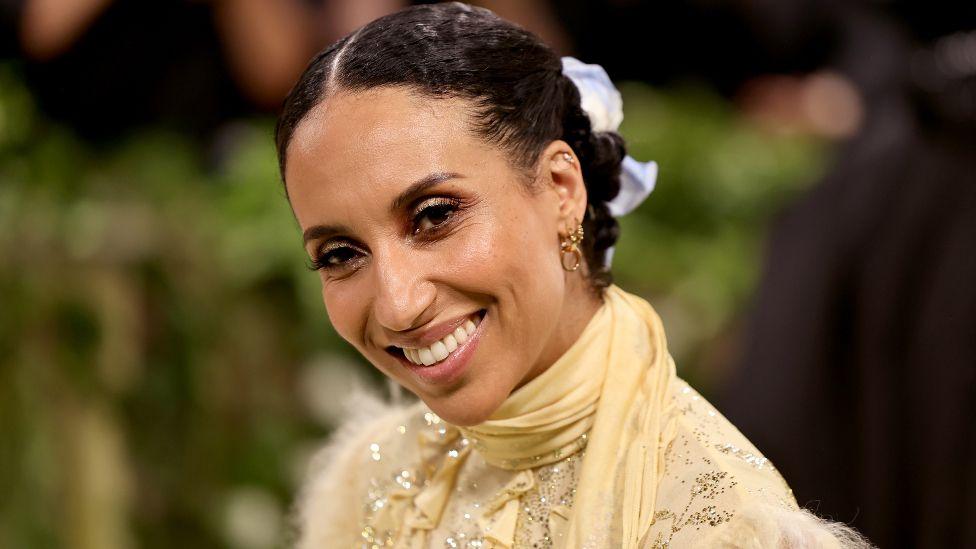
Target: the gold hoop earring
(569, 248)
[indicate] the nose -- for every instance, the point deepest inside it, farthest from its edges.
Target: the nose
(403, 291)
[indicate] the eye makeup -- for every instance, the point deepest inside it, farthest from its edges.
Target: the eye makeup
(427, 219)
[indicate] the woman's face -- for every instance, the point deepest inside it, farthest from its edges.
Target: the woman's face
(430, 243)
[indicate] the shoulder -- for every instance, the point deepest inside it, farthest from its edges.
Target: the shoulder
(717, 489)
(331, 501)
(761, 525)
(706, 450)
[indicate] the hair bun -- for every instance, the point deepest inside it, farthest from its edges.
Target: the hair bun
(602, 167)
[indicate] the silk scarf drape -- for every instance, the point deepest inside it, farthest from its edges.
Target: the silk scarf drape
(608, 391)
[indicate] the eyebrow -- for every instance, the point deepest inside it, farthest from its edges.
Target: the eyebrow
(420, 186)
(415, 188)
(319, 231)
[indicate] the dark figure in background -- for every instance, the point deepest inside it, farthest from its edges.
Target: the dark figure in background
(107, 66)
(858, 375)
(104, 67)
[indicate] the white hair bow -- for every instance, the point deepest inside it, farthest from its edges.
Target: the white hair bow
(603, 105)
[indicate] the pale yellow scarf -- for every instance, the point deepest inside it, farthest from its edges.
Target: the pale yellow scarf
(608, 391)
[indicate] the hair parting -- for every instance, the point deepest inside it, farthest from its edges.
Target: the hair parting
(521, 101)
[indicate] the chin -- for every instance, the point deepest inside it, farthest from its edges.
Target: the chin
(461, 411)
(465, 419)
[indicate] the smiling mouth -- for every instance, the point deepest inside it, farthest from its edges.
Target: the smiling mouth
(443, 348)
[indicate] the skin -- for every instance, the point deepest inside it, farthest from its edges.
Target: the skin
(394, 272)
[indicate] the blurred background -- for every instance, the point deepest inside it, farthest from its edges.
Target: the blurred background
(166, 363)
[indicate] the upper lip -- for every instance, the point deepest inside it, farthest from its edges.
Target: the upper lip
(424, 337)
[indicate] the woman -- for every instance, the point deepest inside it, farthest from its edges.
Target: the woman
(455, 199)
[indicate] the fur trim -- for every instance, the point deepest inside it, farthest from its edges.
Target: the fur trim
(328, 502)
(768, 526)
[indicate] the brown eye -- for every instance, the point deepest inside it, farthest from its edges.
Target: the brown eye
(335, 258)
(433, 216)
(339, 256)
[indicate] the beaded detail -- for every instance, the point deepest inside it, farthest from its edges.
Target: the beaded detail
(494, 507)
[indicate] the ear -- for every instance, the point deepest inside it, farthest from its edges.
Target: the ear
(561, 170)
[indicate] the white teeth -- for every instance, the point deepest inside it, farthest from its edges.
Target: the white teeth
(450, 343)
(439, 350)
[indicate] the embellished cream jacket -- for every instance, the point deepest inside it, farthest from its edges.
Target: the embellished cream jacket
(607, 448)
(717, 489)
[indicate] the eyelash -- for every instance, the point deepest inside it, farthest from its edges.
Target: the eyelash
(448, 206)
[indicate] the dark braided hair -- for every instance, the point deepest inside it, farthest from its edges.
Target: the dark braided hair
(521, 101)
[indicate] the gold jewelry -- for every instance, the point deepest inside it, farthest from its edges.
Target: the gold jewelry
(569, 247)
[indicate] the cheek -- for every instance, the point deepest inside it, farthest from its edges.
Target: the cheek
(538, 285)
(515, 259)
(511, 251)
(346, 311)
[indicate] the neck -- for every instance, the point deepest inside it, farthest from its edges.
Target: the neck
(579, 307)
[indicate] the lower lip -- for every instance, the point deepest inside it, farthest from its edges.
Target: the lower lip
(450, 369)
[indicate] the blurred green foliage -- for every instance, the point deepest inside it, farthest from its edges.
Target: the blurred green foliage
(694, 248)
(166, 364)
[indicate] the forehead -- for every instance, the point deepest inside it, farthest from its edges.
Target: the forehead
(367, 141)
